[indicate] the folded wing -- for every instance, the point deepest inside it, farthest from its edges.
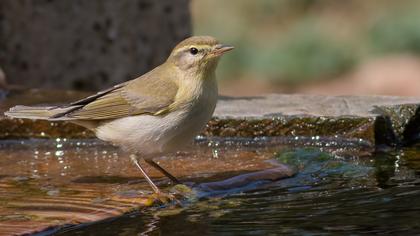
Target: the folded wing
(150, 95)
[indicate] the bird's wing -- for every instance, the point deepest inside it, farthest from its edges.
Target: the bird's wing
(150, 94)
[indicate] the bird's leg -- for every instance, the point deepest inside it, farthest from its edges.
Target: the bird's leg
(158, 195)
(136, 162)
(163, 171)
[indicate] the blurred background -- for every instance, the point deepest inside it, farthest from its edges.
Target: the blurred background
(353, 47)
(315, 46)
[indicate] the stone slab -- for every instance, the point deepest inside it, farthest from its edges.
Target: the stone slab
(277, 105)
(375, 120)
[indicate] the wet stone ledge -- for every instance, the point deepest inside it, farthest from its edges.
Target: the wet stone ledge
(372, 120)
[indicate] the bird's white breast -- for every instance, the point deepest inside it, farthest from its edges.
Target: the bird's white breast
(149, 135)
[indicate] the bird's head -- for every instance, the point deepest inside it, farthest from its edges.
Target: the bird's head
(198, 54)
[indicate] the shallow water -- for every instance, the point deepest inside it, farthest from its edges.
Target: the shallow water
(332, 194)
(336, 191)
(46, 183)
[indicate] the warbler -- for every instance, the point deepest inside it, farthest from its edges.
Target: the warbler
(154, 114)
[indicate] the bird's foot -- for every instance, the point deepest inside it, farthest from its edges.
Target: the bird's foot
(178, 194)
(162, 198)
(184, 190)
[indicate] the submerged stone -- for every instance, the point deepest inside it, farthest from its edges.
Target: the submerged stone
(315, 166)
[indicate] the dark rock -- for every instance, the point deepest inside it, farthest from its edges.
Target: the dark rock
(3, 83)
(398, 117)
(87, 45)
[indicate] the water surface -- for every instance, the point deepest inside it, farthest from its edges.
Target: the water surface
(333, 194)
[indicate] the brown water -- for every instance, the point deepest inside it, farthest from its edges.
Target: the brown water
(54, 182)
(339, 191)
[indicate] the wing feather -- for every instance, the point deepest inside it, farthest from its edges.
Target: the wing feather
(151, 93)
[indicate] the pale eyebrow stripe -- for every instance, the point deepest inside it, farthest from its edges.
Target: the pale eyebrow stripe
(199, 47)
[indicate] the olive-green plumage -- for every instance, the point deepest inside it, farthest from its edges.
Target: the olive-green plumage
(152, 94)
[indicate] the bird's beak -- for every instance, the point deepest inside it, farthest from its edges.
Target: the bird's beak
(220, 49)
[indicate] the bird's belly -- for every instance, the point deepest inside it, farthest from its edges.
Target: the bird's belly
(148, 135)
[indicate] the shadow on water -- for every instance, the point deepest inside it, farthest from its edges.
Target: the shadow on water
(329, 195)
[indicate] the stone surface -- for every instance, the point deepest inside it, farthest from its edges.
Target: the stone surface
(87, 45)
(273, 105)
(372, 120)
(376, 119)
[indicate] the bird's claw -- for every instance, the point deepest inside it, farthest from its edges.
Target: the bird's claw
(162, 198)
(177, 194)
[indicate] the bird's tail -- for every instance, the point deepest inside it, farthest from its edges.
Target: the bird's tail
(41, 113)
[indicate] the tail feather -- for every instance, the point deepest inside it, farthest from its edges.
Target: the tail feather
(42, 113)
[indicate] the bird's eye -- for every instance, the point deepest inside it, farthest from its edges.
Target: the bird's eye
(193, 51)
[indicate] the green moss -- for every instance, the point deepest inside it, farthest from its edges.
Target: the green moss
(300, 157)
(316, 163)
(308, 126)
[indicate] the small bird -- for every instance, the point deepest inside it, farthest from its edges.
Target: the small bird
(154, 114)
